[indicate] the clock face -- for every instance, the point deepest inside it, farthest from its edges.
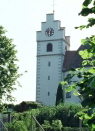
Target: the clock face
(49, 32)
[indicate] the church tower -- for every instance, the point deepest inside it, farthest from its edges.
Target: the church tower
(51, 47)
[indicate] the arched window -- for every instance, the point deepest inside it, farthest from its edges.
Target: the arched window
(49, 47)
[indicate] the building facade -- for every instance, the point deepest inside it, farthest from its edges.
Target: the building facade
(52, 47)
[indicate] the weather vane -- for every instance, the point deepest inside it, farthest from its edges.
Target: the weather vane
(53, 6)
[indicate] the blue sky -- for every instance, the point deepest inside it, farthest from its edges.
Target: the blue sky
(22, 18)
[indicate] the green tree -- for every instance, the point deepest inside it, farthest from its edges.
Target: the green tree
(87, 75)
(59, 95)
(88, 8)
(8, 66)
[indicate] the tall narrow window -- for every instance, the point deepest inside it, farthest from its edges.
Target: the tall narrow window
(65, 48)
(48, 93)
(49, 63)
(49, 47)
(48, 77)
(68, 95)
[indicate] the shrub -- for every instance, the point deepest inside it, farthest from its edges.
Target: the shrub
(26, 105)
(46, 113)
(16, 126)
(66, 113)
(56, 125)
(10, 106)
(17, 108)
(25, 117)
(46, 125)
(74, 129)
(32, 105)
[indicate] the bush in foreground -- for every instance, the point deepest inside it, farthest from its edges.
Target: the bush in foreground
(16, 126)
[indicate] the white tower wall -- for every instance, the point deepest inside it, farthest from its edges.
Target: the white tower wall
(49, 63)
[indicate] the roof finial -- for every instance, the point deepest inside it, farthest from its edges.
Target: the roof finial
(53, 6)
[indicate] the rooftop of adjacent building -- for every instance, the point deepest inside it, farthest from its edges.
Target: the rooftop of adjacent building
(73, 59)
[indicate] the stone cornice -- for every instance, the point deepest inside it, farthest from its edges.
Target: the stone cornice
(51, 54)
(62, 39)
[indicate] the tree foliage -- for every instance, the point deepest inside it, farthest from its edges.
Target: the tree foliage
(88, 8)
(59, 95)
(86, 84)
(8, 66)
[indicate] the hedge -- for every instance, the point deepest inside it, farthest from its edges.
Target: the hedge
(74, 129)
(64, 112)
